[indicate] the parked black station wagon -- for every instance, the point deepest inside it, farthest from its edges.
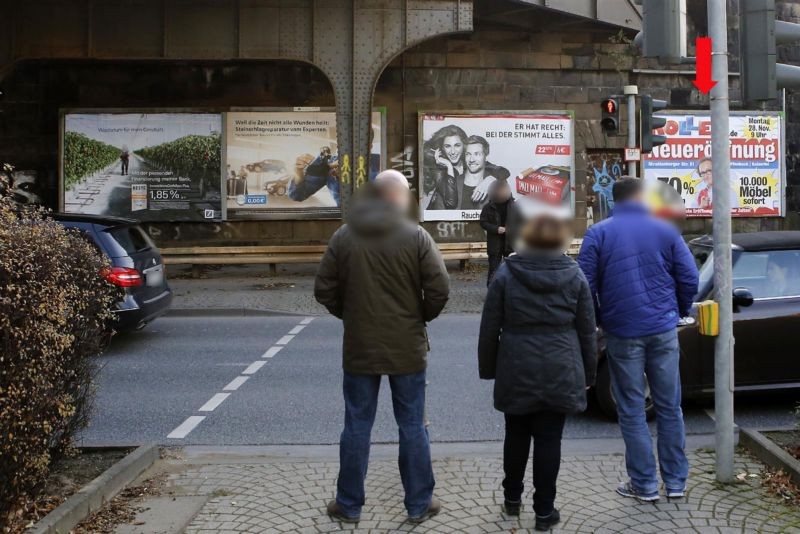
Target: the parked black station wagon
(136, 266)
(766, 327)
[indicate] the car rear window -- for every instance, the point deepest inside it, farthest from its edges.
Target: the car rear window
(126, 240)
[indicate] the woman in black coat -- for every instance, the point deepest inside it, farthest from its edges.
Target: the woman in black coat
(537, 341)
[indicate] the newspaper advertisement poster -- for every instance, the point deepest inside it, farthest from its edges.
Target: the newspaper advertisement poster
(146, 166)
(285, 164)
(463, 153)
(756, 172)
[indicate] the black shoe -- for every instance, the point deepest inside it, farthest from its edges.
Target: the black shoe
(335, 512)
(511, 507)
(545, 523)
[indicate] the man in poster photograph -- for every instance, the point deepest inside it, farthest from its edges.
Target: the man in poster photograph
(312, 174)
(703, 198)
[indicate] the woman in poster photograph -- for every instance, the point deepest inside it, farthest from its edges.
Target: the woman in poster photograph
(457, 172)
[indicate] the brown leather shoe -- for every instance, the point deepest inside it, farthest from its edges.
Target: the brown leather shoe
(335, 511)
(433, 508)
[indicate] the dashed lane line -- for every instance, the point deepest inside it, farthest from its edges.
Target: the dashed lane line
(271, 352)
(254, 367)
(236, 383)
(285, 340)
(191, 422)
(187, 426)
(213, 402)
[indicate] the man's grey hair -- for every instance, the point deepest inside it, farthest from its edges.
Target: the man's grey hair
(390, 179)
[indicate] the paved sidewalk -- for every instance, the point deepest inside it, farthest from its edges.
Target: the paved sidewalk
(288, 494)
(250, 287)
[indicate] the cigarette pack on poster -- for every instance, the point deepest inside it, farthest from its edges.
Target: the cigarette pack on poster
(547, 184)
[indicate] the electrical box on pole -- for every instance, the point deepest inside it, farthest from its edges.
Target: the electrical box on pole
(759, 35)
(648, 123)
(610, 120)
(663, 34)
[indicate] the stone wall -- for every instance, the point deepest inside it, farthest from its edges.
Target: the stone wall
(543, 62)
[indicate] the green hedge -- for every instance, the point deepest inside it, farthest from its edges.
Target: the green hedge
(193, 155)
(84, 156)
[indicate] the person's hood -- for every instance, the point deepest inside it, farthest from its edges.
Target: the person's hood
(374, 217)
(542, 272)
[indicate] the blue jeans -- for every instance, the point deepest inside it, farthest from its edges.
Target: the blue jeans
(629, 360)
(361, 403)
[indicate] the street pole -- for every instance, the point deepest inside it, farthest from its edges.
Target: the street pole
(631, 91)
(723, 278)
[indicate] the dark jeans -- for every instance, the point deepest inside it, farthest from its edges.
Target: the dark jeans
(416, 471)
(545, 428)
(658, 357)
(495, 261)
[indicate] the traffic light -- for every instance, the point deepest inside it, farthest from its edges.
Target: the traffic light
(663, 34)
(610, 120)
(648, 123)
(759, 33)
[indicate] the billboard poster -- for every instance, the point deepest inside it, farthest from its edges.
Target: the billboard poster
(462, 154)
(147, 166)
(285, 164)
(756, 172)
(605, 167)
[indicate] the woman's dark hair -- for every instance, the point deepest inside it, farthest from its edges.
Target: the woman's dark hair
(437, 139)
(625, 188)
(546, 232)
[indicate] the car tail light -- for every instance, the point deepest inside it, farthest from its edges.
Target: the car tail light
(123, 276)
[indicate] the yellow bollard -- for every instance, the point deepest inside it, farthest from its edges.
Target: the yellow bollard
(708, 318)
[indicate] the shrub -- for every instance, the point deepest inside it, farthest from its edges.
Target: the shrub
(54, 308)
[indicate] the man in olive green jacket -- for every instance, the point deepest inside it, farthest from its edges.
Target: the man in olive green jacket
(385, 278)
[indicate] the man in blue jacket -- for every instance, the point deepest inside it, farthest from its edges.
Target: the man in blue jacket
(643, 279)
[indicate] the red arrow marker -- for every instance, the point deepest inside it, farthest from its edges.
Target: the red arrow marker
(702, 78)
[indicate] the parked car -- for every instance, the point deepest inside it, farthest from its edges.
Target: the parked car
(136, 266)
(766, 298)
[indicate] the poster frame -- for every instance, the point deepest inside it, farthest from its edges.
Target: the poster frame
(62, 118)
(481, 112)
(742, 113)
(299, 213)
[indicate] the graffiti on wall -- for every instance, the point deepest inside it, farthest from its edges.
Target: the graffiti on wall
(604, 167)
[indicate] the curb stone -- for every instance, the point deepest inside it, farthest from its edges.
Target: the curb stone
(98, 492)
(771, 453)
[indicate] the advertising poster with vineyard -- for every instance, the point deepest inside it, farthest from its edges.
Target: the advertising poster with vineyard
(463, 154)
(756, 173)
(285, 164)
(147, 166)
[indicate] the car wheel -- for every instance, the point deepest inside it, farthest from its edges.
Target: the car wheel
(605, 396)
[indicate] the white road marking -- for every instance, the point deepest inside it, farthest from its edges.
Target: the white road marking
(187, 426)
(235, 383)
(297, 329)
(213, 402)
(284, 340)
(271, 352)
(254, 367)
(307, 320)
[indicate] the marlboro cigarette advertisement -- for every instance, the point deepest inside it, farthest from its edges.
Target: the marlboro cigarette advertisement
(285, 164)
(756, 174)
(463, 154)
(146, 166)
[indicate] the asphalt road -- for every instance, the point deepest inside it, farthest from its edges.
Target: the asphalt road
(171, 379)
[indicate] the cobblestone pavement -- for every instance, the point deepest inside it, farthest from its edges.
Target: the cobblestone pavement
(286, 496)
(291, 289)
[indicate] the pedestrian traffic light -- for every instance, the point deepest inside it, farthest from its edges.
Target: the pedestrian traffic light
(759, 34)
(648, 123)
(663, 34)
(610, 120)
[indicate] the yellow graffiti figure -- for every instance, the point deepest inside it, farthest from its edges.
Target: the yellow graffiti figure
(361, 171)
(345, 171)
